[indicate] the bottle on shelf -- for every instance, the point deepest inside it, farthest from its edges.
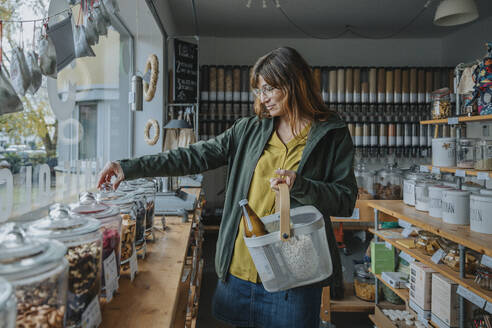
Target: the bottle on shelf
(253, 227)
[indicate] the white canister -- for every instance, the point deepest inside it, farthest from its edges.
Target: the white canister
(422, 196)
(444, 152)
(456, 207)
(486, 192)
(481, 213)
(409, 192)
(435, 200)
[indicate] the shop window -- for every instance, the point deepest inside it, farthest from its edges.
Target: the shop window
(55, 147)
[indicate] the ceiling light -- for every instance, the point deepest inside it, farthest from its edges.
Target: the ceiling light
(455, 12)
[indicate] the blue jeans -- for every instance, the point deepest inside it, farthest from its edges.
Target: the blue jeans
(243, 303)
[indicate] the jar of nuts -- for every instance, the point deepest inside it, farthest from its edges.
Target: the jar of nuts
(441, 103)
(364, 283)
(8, 304)
(110, 220)
(38, 274)
(365, 181)
(150, 189)
(83, 238)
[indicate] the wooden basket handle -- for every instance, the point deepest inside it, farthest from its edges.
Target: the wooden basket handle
(284, 211)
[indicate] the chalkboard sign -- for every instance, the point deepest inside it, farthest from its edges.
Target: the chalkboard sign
(185, 72)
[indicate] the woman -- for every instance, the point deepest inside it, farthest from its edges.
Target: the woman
(293, 131)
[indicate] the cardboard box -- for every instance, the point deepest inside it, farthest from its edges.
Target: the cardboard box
(445, 304)
(395, 279)
(382, 258)
(420, 285)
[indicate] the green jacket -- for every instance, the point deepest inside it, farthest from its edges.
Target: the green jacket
(325, 177)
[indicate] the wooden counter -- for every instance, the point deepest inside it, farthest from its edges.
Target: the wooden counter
(151, 299)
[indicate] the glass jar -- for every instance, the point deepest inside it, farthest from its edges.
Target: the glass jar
(465, 153)
(468, 108)
(452, 260)
(364, 284)
(83, 238)
(138, 196)
(149, 188)
(128, 215)
(441, 103)
(388, 183)
(8, 304)
(427, 242)
(110, 220)
(484, 277)
(38, 272)
(422, 200)
(409, 186)
(365, 181)
(483, 153)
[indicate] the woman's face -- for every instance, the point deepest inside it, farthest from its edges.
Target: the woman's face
(270, 97)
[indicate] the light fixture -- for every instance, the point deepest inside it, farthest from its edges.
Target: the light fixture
(277, 3)
(455, 12)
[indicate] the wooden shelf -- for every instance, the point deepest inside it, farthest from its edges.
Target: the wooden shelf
(366, 214)
(373, 319)
(476, 118)
(401, 292)
(454, 169)
(458, 233)
(467, 282)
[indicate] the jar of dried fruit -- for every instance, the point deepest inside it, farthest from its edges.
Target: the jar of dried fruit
(38, 272)
(83, 238)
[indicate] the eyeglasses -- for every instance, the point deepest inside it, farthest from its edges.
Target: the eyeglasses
(266, 90)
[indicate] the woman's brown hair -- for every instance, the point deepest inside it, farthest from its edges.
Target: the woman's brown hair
(285, 69)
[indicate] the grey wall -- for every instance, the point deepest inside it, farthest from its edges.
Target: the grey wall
(148, 41)
(467, 44)
(340, 52)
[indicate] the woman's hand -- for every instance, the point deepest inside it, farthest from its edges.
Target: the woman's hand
(285, 176)
(111, 169)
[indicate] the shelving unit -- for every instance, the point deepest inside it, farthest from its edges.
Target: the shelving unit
(401, 292)
(456, 233)
(462, 119)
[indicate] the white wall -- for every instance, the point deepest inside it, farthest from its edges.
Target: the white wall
(340, 52)
(467, 44)
(148, 41)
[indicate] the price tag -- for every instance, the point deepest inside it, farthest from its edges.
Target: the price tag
(438, 256)
(404, 224)
(133, 265)
(110, 276)
(472, 297)
(424, 168)
(453, 121)
(483, 175)
(406, 257)
(388, 245)
(460, 173)
(488, 307)
(436, 170)
(91, 317)
(406, 232)
(486, 260)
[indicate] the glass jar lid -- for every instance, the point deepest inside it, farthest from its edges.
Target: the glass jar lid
(20, 253)
(87, 205)
(107, 195)
(6, 292)
(122, 202)
(60, 223)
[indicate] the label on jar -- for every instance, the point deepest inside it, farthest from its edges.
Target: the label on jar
(91, 318)
(438, 256)
(472, 297)
(486, 260)
(460, 173)
(358, 141)
(374, 140)
(408, 140)
(110, 275)
(423, 141)
(483, 175)
(365, 140)
(415, 140)
(406, 257)
(204, 96)
(383, 140)
(133, 264)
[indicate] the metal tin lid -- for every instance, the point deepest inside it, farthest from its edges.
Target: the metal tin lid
(19, 252)
(6, 292)
(456, 193)
(482, 198)
(60, 223)
(470, 187)
(438, 187)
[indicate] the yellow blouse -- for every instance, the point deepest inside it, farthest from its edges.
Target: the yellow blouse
(261, 197)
